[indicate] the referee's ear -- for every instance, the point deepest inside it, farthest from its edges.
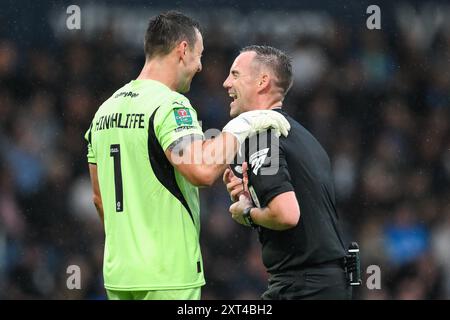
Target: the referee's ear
(264, 83)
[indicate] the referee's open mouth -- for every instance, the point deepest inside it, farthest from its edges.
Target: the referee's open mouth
(233, 96)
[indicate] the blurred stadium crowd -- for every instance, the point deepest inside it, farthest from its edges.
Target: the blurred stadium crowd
(378, 102)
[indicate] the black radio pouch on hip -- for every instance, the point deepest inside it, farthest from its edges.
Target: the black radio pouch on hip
(353, 265)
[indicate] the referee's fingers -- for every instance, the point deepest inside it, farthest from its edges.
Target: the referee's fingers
(231, 209)
(226, 176)
(236, 192)
(245, 174)
(233, 184)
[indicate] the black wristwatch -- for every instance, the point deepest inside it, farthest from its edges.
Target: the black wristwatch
(248, 218)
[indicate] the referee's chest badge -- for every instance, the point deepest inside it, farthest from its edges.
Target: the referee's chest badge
(182, 116)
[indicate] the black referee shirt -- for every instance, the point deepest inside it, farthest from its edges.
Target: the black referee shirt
(295, 163)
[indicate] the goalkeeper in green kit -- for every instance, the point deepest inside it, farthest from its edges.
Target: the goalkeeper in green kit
(147, 157)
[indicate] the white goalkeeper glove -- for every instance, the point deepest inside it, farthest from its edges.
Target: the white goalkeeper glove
(249, 123)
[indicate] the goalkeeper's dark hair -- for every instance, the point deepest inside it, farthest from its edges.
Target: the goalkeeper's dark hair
(278, 61)
(168, 29)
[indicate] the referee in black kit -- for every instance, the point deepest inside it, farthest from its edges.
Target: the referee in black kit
(290, 198)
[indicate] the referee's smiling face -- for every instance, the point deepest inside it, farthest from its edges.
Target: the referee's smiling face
(241, 84)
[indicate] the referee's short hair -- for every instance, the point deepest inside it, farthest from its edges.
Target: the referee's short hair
(166, 30)
(278, 61)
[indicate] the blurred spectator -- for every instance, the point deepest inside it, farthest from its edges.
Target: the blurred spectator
(309, 64)
(405, 238)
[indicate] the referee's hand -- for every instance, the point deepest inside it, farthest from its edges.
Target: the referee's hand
(234, 184)
(237, 209)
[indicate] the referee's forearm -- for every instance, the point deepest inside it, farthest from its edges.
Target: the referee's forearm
(269, 219)
(281, 213)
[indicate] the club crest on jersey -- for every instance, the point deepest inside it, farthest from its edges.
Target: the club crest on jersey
(257, 160)
(182, 116)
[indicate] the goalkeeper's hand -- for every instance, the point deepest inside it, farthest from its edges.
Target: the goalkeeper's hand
(250, 123)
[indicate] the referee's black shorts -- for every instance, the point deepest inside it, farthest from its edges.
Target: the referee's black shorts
(323, 282)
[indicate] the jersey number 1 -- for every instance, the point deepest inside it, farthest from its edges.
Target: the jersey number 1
(115, 153)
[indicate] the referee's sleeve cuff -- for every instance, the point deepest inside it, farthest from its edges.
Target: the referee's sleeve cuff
(277, 190)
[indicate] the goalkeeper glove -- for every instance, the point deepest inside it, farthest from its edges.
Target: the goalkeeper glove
(250, 123)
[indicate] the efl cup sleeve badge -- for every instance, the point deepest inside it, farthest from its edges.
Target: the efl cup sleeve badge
(182, 116)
